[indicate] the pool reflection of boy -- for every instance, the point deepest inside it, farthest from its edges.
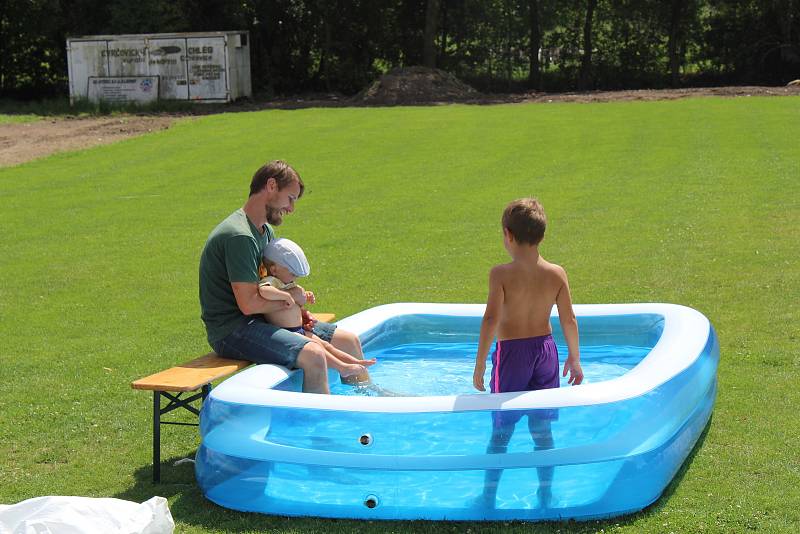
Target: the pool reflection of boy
(521, 295)
(282, 263)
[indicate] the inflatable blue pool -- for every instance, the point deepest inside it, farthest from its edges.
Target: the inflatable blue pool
(615, 442)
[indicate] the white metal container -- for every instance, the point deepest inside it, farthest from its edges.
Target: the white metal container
(202, 67)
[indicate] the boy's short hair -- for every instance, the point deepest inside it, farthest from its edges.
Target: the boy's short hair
(264, 268)
(283, 173)
(525, 220)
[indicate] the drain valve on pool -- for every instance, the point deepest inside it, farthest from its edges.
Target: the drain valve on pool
(371, 501)
(365, 440)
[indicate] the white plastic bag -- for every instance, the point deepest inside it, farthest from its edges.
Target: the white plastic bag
(85, 515)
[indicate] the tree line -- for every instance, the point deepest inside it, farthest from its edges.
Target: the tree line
(496, 45)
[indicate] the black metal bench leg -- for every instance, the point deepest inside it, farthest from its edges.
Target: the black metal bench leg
(174, 402)
(156, 436)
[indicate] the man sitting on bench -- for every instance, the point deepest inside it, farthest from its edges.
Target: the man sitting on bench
(232, 309)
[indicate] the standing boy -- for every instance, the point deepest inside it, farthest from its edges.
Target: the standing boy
(521, 296)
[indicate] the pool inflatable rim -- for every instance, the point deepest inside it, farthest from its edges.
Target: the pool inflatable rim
(685, 335)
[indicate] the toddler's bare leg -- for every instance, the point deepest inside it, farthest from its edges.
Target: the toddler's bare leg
(349, 343)
(345, 369)
(342, 355)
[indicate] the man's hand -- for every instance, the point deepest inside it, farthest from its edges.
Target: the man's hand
(477, 375)
(310, 298)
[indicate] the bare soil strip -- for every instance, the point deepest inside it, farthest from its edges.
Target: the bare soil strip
(21, 142)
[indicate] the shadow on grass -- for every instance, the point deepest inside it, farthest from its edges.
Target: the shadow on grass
(189, 507)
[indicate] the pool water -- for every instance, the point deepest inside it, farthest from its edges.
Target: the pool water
(426, 369)
(445, 368)
(443, 365)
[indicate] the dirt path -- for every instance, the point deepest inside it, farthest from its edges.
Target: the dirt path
(21, 142)
(661, 94)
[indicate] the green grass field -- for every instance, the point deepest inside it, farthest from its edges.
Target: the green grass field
(12, 119)
(695, 202)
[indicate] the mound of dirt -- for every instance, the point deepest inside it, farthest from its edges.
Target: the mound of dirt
(415, 85)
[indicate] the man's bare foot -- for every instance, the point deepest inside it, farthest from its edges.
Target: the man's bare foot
(351, 369)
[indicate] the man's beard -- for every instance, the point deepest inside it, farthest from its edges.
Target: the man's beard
(274, 216)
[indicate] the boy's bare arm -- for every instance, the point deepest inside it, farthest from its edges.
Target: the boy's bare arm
(491, 318)
(569, 325)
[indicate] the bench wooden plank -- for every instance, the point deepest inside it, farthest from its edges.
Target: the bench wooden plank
(200, 371)
(324, 317)
(191, 375)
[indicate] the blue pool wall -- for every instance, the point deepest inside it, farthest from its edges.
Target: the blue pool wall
(609, 459)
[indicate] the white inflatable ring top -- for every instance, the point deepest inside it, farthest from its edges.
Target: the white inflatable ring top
(685, 334)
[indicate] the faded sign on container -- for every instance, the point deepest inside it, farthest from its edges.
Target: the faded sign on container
(123, 89)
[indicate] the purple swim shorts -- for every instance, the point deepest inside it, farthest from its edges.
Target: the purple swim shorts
(526, 364)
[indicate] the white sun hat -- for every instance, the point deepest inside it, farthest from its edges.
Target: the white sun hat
(289, 254)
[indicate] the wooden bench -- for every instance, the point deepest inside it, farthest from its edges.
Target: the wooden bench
(197, 374)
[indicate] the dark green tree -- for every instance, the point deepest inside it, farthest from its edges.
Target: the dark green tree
(584, 76)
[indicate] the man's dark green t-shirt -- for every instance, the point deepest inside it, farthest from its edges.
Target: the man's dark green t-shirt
(232, 254)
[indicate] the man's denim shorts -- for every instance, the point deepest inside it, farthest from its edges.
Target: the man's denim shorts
(260, 342)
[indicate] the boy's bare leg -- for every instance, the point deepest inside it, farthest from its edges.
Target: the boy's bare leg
(313, 361)
(349, 343)
(543, 439)
(501, 435)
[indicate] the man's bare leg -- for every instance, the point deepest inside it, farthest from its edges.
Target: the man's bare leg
(312, 360)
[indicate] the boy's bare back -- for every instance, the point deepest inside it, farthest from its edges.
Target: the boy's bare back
(522, 293)
(529, 289)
